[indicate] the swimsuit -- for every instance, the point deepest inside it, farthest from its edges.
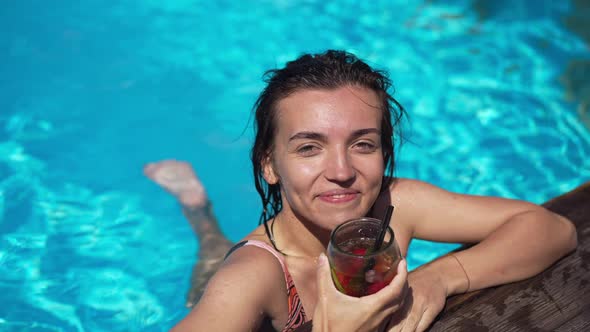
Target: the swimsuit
(296, 312)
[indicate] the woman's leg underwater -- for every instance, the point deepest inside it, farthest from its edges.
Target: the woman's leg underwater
(179, 179)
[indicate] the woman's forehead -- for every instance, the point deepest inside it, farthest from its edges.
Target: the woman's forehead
(324, 110)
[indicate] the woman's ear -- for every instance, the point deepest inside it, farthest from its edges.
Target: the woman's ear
(268, 171)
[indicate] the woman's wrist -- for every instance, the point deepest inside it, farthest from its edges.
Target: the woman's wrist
(451, 274)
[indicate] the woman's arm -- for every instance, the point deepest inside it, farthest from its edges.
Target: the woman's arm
(248, 288)
(513, 240)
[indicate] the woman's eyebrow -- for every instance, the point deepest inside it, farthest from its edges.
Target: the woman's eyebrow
(308, 135)
(365, 131)
(321, 137)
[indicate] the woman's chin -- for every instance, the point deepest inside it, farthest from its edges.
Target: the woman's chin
(339, 219)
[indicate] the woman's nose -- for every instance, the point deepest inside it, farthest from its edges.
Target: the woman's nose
(339, 167)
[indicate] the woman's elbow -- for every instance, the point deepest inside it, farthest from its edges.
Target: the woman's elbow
(568, 234)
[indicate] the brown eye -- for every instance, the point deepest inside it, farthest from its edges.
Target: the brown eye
(308, 150)
(365, 147)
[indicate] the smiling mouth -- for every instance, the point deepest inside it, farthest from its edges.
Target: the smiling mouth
(339, 198)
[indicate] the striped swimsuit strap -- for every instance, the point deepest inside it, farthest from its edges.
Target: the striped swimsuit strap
(296, 313)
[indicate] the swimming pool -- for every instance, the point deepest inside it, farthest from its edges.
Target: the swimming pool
(91, 92)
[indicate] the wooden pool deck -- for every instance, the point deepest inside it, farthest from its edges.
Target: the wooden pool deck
(556, 300)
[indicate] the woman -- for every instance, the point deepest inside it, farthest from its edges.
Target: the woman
(322, 155)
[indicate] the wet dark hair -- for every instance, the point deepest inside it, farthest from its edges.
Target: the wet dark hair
(326, 71)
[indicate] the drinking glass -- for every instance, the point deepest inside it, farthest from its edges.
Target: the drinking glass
(358, 268)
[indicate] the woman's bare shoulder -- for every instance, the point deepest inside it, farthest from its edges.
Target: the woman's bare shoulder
(403, 191)
(252, 257)
(249, 287)
(409, 197)
(405, 185)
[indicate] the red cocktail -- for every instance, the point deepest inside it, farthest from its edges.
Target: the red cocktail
(358, 268)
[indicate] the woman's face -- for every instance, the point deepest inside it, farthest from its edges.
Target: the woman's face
(327, 154)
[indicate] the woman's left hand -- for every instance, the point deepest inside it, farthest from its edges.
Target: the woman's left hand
(424, 300)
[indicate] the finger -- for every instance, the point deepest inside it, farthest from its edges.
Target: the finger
(402, 272)
(384, 326)
(404, 291)
(391, 298)
(427, 319)
(399, 316)
(397, 285)
(395, 323)
(323, 275)
(399, 303)
(392, 310)
(414, 317)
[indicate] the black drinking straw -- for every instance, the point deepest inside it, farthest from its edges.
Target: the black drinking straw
(381, 237)
(384, 225)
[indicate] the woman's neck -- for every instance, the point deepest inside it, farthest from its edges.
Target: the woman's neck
(298, 238)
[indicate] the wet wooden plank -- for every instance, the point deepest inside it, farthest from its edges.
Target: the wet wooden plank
(558, 299)
(579, 323)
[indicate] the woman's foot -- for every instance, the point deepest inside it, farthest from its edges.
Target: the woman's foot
(179, 179)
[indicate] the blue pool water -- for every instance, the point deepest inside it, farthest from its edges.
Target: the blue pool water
(90, 91)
